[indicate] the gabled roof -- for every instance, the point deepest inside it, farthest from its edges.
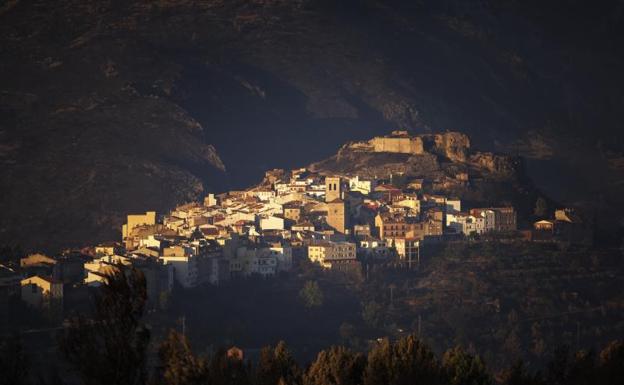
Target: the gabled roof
(40, 277)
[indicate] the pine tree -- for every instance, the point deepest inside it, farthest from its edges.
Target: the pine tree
(110, 348)
(311, 294)
(334, 366)
(407, 361)
(463, 368)
(276, 365)
(372, 314)
(179, 366)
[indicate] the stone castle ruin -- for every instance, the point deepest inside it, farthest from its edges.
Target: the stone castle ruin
(454, 146)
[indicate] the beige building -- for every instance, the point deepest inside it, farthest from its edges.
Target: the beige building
(40, 291)
(327, 253)
(108, 249)
(409, 202)
(390, 227)
(292, 212)
(407, 248)
(505, 218)
(134, 220)
(337, 215)
(398, 143)
(210, 200)
(303, 226)
(544, 225)
(333, 188)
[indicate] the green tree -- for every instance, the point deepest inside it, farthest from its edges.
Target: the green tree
(407, 361)
(372, 314)
(311, 294)
(347, 332)
(110, 348)
(277, 366)
(541, 207)
(463, 368)
(336, 366)
(179, 366)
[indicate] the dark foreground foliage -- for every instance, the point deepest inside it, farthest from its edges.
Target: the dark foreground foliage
(112, 347)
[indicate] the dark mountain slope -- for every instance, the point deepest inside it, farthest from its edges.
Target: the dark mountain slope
(135, 93)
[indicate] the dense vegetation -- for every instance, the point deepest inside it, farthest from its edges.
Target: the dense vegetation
(508, 301)
(513, 313)
(112, 348)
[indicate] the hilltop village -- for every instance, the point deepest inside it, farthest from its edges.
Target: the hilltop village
(337, 221)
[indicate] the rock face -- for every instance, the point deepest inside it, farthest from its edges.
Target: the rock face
(495, 163)
(453, 145)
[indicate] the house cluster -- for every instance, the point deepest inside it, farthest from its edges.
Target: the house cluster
(481, 220)
(567, 226)
(44, 282)
(332, 220)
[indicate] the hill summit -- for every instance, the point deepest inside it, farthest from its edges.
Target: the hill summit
(438, 163)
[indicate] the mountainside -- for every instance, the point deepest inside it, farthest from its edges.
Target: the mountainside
(109, 107)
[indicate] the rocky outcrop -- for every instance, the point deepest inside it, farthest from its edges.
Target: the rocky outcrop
(378, 164)
(495, 164)
(453, 145)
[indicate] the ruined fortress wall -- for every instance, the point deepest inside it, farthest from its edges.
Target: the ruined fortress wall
(398, 145)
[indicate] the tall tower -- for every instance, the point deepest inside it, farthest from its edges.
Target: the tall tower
(337, 215)
(333, 188)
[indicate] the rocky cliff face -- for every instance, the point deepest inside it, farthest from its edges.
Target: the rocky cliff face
(495, 163)
(108, 88)
(453, 145)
